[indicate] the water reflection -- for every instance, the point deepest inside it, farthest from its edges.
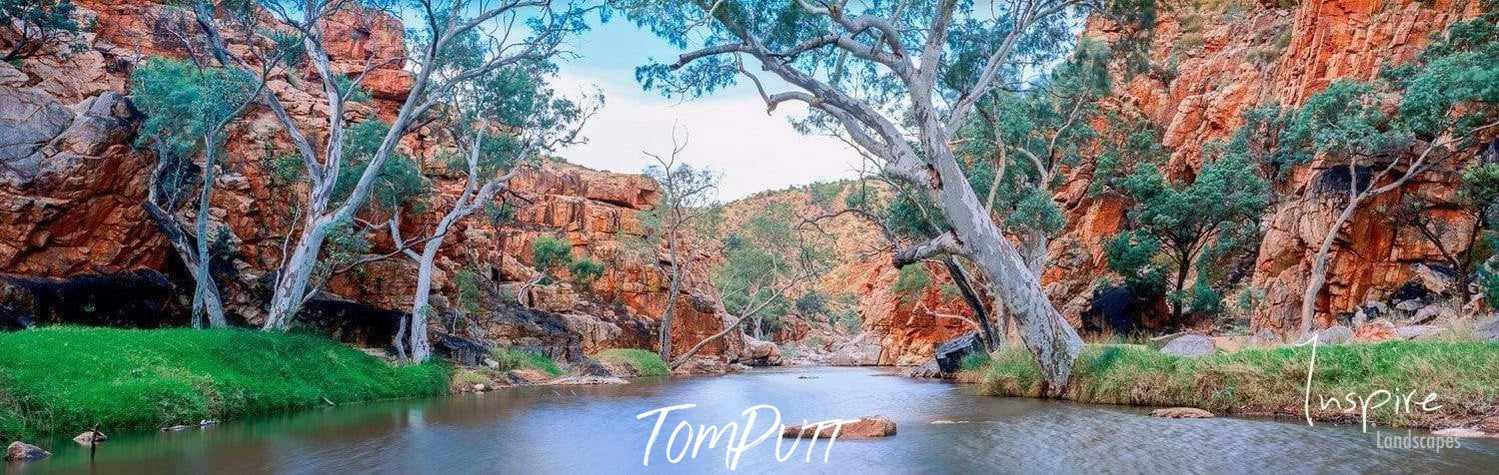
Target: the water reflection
(593, 429)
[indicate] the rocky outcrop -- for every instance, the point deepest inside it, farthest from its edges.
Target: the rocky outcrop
(1227, 64)
(867, 427)
(23, 452)
(72, 184)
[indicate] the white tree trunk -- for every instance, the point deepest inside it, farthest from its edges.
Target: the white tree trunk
(421, 346)
(291, 287)
(1318, 277)
(205, 297)
(1052, 342)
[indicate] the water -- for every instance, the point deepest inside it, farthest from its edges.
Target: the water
(594, 430)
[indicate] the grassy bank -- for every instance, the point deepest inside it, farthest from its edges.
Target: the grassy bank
(66, 379)
(642, 362)
(1464, 377)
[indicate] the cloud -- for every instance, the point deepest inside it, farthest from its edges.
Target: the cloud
(728, 132)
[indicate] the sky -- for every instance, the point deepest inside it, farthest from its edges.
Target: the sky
(727, 131)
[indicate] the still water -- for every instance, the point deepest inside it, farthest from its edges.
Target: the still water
(593, 429)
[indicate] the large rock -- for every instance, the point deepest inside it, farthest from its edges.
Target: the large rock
(1488, 329)
(1376, 331)
(1182, 413)
(23, 452)
(867, 427)
(951, 354)
(1335, 335)
(1191, 345)
(761, 353)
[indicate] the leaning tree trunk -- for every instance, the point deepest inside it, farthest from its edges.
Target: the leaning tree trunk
(1318, 277)
(964, 284)
(1053, 343)
(206, 292)
(421, 346)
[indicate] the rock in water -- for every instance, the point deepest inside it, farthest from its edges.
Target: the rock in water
(1460, 432)
(926, 370)
(1336, 335)
(24, 452)
(1190, 346)
(950, 355)
(585, 380)
(867, 427)
(1182, 413)
(90, 438)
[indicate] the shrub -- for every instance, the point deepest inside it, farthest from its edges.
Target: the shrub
(911, 281)
(550, 253)
(512, 359)
(585, 271)
(642, 362)
(32, 24)
(975, 361)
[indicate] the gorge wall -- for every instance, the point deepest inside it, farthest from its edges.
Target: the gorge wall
(73, 181)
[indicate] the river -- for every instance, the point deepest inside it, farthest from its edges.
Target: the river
(593, 429)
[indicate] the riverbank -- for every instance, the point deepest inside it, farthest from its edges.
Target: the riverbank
(64, 380)
(1463, 376)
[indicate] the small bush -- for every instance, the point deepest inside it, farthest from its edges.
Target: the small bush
(585, 271)
(550, 253)
(975, 361)
(911, 281)
(510, 359)
(642, 362)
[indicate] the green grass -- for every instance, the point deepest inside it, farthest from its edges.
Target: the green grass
(645, 363)
(521, 359)
(62, 380)
(975, 361)
(1464, 376)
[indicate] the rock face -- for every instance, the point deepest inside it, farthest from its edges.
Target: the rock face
(950, 355)
(72, 184)
(23, 452)
(1239, 66)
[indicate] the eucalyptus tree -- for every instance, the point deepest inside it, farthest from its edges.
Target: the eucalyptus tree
(30, 25)
(872, 69)
(441, 57)
(1448, 99)
(687, 194)
(187, 107)
(530, 120)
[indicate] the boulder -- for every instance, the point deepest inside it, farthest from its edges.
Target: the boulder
(928, 369)
(1461, 432)
(527, 376)
(1375, 331)
(762, 353)
(950, 355)
(90, 438)
(1488, 329)
(867, 427)
(1190, 346)
(1335, 335)
(1413, 332)
(24, 452)
(1182, 413)
(1434, 312)
(1490, 425)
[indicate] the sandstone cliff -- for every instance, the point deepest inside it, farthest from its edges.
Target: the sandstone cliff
(72, 185)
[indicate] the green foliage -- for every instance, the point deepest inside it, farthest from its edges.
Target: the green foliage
(824, 194)
(851, 321)
(348, 89)
(975, 361)
(184, 103)
(1180, 222)
(470, 294)
(400, 182)
(911, 281)
(748, 277)
(1134, 142)
(585, 271)
(813, 302)
(642, 362)
(30, 25)
(914, 218)
(513, 359)
(64, 380)
(1259, 381)
(550, 254)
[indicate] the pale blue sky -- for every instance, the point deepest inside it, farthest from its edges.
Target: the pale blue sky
(728, 131)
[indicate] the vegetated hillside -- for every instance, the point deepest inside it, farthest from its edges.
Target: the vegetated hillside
(74, 182)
